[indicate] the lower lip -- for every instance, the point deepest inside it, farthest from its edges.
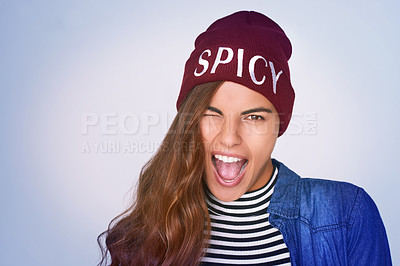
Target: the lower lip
(229, 183)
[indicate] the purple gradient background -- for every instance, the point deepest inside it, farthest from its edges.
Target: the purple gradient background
(63, 59)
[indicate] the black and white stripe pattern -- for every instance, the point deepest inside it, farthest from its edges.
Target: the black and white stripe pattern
(241, 233)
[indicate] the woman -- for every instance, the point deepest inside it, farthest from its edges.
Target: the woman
(213, 195)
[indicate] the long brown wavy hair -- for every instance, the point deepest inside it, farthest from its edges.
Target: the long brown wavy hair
(167, 222)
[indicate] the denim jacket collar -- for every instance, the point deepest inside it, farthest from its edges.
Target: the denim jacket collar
(285, 200)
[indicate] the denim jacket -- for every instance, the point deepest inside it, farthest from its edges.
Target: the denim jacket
(327, 222)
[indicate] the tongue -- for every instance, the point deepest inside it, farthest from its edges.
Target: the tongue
(228, 171)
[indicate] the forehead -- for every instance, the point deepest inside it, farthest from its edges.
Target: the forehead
(234, 96)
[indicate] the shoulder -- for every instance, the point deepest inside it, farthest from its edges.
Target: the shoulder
(333, 211)
(319, 202)
(316, 190)
(332, 203)
(313, 191)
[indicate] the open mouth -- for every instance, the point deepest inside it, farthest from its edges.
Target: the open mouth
(229, 169)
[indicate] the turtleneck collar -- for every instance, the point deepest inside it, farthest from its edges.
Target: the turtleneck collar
(249, 204)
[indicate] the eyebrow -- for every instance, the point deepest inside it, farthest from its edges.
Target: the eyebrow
(254, 110)
(213, 109)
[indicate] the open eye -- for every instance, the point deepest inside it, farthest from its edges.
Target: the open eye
(254, 117)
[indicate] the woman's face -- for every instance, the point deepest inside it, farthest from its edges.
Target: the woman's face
(239, 130)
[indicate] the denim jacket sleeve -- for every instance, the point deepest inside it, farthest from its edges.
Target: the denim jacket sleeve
(368, 243)
(327, 222)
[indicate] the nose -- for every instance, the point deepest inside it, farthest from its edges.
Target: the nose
(230, 134)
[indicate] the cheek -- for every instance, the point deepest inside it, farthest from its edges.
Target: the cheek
(277, 123)
(209, 129)
(262, 144)
(204, 130)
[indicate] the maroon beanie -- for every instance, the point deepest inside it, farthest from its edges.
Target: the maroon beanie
(247, 48)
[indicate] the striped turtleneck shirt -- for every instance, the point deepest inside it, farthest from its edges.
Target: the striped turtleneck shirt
(241, 233)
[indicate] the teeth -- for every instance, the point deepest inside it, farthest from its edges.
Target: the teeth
(227, 159)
